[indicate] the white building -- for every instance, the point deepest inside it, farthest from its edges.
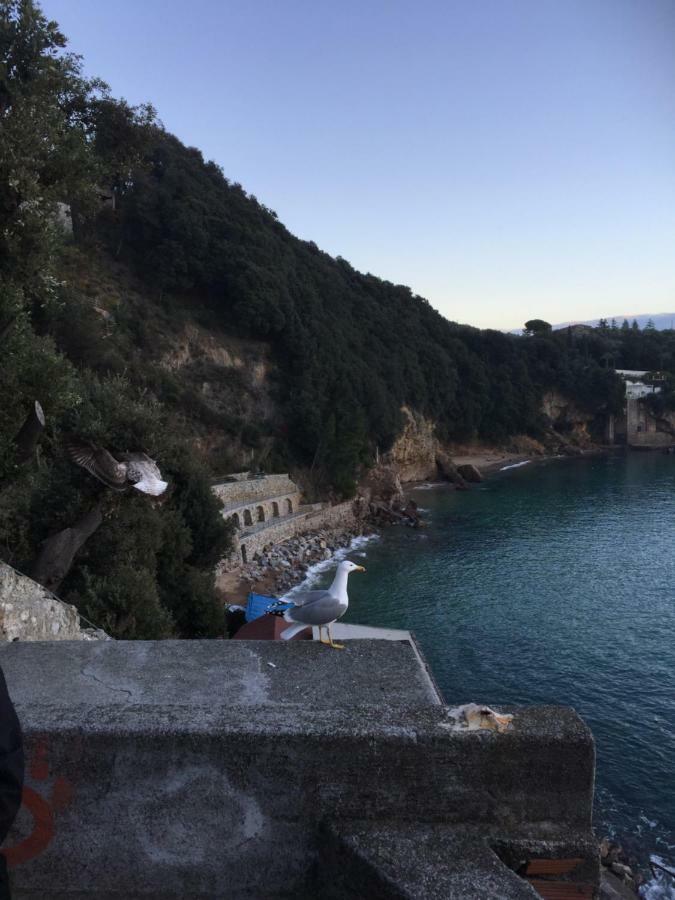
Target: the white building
(635, 386)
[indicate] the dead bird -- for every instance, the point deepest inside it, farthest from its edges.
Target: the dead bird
(473, 717)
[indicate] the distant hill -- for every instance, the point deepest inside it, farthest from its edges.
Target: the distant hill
(662, 321)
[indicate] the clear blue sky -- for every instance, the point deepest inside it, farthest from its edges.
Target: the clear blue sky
(505, 158)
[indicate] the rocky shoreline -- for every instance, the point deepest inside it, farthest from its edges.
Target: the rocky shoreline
(283, 566)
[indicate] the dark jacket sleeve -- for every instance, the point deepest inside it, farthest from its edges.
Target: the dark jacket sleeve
(11, 761)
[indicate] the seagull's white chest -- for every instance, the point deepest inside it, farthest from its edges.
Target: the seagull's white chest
(343, 602)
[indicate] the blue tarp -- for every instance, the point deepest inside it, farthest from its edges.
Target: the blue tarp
(257, 606)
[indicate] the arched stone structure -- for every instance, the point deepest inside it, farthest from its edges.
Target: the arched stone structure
(289, 506)
(275, 509)
(248, 519)
(260, 513)
(237, 521)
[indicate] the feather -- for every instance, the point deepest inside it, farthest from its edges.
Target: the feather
(99, 463)
(288, 633)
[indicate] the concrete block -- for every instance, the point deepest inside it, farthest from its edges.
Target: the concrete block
(195, 769)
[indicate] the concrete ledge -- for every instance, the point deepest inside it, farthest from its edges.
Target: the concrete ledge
(175, 674)
(195, 769)
(414, 864)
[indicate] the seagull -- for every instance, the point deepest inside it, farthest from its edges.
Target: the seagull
(135, 469)
(320, 608)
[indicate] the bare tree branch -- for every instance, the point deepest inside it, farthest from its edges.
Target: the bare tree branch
(58, 551)
(29, 433)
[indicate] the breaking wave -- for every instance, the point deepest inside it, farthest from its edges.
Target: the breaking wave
(517, 465)
(315, 571)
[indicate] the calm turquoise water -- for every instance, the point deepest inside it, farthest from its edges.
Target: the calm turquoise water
(553, 583)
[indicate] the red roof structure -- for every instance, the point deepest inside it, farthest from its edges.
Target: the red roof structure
(269, 628)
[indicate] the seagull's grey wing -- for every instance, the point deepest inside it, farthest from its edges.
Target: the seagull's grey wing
(320, 610)
(99, 463)
(302, 598)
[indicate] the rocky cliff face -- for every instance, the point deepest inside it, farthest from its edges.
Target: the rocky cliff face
(567, 422)
(231, 376)
(418, 455)
(28, 612)
(665, 422)
(413, 454)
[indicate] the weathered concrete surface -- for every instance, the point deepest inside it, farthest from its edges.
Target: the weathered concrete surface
(29, 612)
(414, 864)
(194, 769)
(173, 674)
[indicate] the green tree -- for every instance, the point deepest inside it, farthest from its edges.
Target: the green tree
(537, 327)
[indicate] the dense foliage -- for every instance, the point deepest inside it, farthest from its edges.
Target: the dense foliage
(349, 349)
(147, 571)
(352, 348)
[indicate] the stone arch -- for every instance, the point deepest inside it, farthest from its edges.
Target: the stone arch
(289, 506)
(244, 554)
(260, 512)
(237, 521)
(275, 509)
(248, 520)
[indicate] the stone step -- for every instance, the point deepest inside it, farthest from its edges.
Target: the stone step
(413, 863)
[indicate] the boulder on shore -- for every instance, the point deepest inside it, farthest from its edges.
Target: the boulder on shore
(469, 472)
(448, 471)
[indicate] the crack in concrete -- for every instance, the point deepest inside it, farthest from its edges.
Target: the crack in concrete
(108, 686)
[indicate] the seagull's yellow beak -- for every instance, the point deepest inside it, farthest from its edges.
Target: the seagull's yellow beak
(359, 569)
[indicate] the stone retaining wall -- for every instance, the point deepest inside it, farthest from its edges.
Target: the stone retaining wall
(242, 491)
(342, 515)
(249, 513)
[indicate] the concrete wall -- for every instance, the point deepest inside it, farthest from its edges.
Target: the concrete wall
(241, 491)
(206, 768)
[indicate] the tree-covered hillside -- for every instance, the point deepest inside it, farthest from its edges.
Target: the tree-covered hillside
(177, 243)
(148, 569)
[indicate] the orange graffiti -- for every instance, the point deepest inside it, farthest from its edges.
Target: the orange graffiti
(41, 810)
(41, 835)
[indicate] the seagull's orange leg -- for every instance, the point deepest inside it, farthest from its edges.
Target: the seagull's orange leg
(332, 642)
(321, 640)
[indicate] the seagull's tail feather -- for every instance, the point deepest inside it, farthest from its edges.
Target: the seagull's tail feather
(152, 486)
(288, 633)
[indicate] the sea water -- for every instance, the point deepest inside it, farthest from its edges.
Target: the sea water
(552, 583)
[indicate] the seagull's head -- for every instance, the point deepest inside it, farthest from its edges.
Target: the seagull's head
(348, 566)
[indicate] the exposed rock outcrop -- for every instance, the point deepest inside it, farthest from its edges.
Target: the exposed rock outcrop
(469, 472)
(448, 471)
(29, 612)
(383, 483)
(569, 424)
(413, 453)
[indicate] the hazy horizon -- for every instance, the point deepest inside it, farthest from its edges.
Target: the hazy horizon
(507, 160)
